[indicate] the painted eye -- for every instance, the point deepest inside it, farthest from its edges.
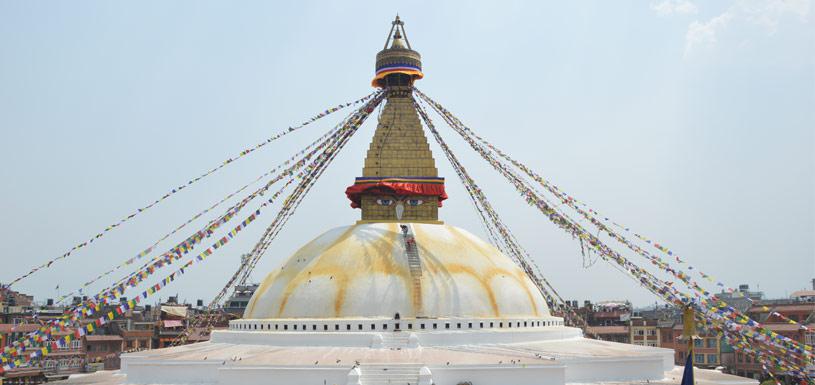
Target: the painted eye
(414, 202)
(384, 202)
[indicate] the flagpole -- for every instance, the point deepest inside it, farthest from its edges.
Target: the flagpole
(688, 332)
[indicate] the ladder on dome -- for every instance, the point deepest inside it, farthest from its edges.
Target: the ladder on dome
(414, 265)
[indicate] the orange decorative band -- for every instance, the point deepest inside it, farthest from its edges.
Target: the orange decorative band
(397, 69)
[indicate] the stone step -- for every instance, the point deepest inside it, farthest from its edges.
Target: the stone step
(389, 374)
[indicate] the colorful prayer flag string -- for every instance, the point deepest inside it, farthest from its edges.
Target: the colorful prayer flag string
(311, 172)
(150, 248)
(794, 354)
(242, 154)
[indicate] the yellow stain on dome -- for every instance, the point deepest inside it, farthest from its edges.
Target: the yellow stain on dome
(365, 258)
(324, 265)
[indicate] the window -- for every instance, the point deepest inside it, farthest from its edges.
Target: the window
(697, 342)
(347, 326)
(384, 326)
(458, 325)
(481, 325)
(447, 326)
(712, 359)
(699, 358)
(470, 325)
(491, 324)
(652, 332)
(739, 357)
(410, 326)
(336, 327)
(325, 327)
(285, 327)
(313, 327)
(710, 343)
(640, 332)
(295, 326)
(359, 327)
(422, 326)
(373, 326)
(435, 326)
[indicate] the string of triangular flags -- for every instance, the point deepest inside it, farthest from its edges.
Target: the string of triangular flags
(349, 128)
(174, 191)
(198, 215)
(330, 148)
(796, 354)
(345, 130)
(499, 229)
(596, 218)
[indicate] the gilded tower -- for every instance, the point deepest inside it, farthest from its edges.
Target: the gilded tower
(399, 181)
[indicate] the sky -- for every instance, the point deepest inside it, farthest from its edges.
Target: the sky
(692, 123)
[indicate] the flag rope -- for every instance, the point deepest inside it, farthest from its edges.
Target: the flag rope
(796, 354)
(243, 153)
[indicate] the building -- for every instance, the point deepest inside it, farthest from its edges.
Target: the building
(644, 332)
(621, 334)
(15, 307)
(61, 362)
(807, 295)
(609, 313)
(104, 349)
(236, 304)
(792, 317)
(710, 350)
(400, 296)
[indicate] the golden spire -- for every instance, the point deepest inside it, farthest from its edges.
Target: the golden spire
(399, 179)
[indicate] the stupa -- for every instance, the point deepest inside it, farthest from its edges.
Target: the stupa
(400, 297)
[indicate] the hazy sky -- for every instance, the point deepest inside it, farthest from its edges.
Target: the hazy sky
(691, 122)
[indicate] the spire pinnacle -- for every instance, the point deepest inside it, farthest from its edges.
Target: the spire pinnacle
(397, 58)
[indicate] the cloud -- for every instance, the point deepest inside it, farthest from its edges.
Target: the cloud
(763, 14)
(674, 7)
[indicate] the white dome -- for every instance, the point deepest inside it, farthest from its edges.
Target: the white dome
(363, 271)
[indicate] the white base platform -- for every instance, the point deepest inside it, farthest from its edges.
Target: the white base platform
(525, 356)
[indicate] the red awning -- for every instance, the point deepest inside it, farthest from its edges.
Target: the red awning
(426, 186)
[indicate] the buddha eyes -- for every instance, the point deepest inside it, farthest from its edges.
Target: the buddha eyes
(409, 202)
